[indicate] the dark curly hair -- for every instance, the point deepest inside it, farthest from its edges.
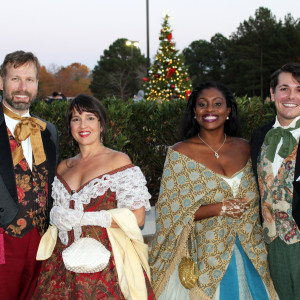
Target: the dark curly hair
(190, 126)
(90, 104)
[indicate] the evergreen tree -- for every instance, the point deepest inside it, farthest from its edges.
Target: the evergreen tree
(168, 77)
(245, 61)
(260, 46)
(207, 60)
(119, 71)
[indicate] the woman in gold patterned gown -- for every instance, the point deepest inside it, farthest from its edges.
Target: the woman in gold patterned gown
(208, 209)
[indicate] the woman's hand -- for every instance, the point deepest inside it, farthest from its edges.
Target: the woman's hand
(234, 207)
(65, 218)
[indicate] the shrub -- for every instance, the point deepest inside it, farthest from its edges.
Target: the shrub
(254, 113)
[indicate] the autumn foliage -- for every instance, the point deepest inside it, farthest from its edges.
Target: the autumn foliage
(71, 80)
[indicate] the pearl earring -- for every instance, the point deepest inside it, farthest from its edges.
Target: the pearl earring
(195, 117)
(227, 118)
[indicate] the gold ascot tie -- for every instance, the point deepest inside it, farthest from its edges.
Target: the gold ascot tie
(29, 126)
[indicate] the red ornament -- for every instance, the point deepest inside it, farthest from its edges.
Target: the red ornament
(187, 94)
(187, 79)
(145, 79)
(169, 36)
(171, 71)
(156, 75)
(173, 86)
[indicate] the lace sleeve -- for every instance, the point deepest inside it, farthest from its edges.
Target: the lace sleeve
(131, 190)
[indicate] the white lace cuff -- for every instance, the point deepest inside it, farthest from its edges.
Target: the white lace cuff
(96, 218)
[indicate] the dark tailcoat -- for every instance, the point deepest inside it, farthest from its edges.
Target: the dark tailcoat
(256, 143)
(8, 190)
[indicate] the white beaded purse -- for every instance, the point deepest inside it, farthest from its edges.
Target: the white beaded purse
(86, 255)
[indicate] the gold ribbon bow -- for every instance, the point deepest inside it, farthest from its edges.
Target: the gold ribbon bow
(29, 126)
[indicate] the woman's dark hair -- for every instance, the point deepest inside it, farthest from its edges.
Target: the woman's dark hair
(89, 104)
(190, 126)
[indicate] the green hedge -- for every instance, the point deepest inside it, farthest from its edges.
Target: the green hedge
(145, 129)
(254, 113)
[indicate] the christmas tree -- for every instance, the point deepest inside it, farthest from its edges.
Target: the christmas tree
(168, 78)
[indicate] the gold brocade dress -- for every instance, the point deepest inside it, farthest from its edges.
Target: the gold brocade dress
(186, 185)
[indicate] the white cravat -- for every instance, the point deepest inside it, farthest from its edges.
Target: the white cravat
(296, 134)
(26, 145)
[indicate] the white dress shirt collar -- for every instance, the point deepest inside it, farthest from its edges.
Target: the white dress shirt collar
(292, 125)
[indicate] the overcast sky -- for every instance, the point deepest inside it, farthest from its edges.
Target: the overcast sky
(61, 32)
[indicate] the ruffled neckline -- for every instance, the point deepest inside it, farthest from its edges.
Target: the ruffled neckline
(70, 191)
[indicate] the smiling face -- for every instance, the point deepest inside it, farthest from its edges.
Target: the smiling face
(211, 109)
(287, 98)
(85, 128)
(19, 87)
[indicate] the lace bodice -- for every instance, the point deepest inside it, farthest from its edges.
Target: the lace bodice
(234, 182)
(129, 186)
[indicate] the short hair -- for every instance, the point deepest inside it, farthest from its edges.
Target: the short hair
(17, 59)
(55, 94)
(190, 126)
(87, 103)
(293, 68)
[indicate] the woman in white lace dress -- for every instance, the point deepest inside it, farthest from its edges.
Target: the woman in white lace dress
(93, 192)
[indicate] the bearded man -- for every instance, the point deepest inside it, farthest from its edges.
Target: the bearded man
(28, 159)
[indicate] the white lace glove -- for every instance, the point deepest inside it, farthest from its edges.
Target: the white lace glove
(234, 207)
(65, 218)
(96, 218)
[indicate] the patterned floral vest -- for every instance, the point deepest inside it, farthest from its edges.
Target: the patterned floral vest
(32, 188)
(277, 197)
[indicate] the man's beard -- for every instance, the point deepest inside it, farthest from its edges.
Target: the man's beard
(18, 105)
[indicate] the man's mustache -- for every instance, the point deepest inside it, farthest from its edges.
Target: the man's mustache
(25, 93)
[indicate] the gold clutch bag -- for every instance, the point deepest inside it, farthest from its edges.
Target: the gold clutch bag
(188, 270)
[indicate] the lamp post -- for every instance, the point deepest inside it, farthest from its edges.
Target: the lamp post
(132, 44)
(147, 30)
